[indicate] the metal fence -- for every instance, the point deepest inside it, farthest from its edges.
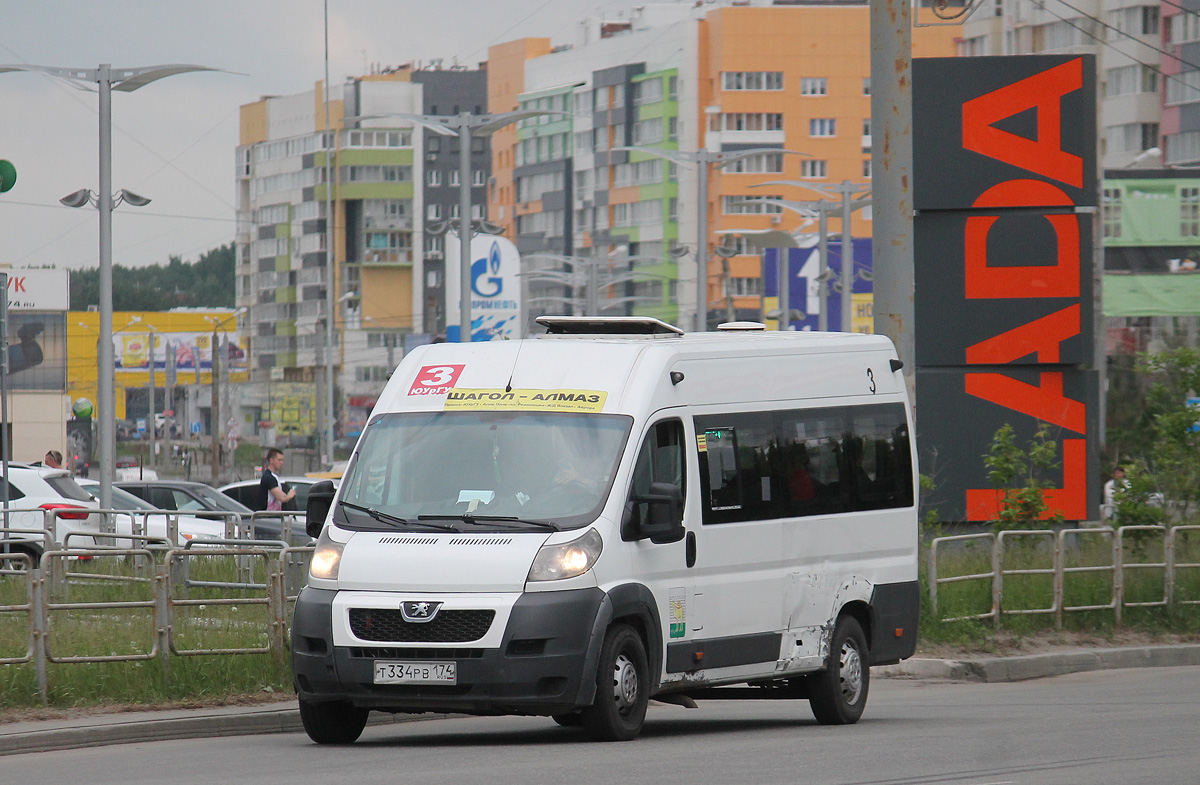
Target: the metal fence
(157, 579)
(1126, 548)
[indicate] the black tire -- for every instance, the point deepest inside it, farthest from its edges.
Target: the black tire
(569, 720)
(332, 722)
(622, 688)
(838, 694)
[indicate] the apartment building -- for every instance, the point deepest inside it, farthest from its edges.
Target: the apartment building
(725, 78)
(391, 189)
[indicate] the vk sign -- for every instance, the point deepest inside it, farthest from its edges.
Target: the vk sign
(495, 289)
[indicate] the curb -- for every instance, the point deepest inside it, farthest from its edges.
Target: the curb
(100, 730)
(103, 730)
(1039, 666)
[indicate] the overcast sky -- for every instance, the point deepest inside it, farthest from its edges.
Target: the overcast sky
(174, 140)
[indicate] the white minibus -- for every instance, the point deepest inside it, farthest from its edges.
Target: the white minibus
(573, 524)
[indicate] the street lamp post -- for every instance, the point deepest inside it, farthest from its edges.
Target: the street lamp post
(215, 383)
(107, 79)
(588, 279)
(847, 190)
(701, 159)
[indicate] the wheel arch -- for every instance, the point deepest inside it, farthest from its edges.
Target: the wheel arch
(633, 604)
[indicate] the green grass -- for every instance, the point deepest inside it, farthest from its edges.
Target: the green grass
(226, 618)
(1088, 581)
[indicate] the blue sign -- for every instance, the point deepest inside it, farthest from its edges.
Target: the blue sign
(803, 269)
(195, 428)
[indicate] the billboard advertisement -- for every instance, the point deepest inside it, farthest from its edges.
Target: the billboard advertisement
(190, 351)
(495, 288)
(37, 350)
(1005, 188)
(39, 290)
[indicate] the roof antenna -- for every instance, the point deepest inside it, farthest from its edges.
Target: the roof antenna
(517, 356)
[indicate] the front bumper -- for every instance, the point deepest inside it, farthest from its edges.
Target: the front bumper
(538, 668)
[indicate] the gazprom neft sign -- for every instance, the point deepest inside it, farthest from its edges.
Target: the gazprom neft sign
(39, 290)
(495, 288)
(1005, 188)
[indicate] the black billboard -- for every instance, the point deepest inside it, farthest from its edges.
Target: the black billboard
(1005, 187)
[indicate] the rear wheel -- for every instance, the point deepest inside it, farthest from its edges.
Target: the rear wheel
(622, 688)
(838, 694)
(332, 722)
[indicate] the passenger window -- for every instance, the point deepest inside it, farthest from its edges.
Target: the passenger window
(660, 459)
(792, 463)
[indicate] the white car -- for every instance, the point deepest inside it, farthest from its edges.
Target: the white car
(33, 491)
(191, 528)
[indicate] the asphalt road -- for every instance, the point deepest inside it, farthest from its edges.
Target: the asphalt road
(1127, 727)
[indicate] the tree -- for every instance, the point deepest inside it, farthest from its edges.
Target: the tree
(205, 283)
(1173, 460)
(1020, 477)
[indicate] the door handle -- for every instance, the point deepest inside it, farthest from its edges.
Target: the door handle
(690, 549)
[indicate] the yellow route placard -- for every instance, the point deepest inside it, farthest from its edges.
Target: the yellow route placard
(535, 400)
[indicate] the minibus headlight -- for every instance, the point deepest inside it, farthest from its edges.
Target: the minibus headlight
(326, 557)
(567, 559)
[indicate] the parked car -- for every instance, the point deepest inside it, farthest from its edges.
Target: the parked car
(32, 490)
(247, 492)
(198, 498)
(190, 527)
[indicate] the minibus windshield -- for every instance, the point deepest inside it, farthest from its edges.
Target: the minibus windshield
(483, 470)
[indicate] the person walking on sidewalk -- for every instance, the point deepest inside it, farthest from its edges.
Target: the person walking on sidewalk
(273, 494)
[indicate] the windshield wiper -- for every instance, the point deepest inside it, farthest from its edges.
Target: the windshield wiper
(387, 517)
(467, 517)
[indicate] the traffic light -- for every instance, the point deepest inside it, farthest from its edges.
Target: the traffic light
(8, 175)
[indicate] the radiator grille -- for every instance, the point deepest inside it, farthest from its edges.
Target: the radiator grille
(449, 626)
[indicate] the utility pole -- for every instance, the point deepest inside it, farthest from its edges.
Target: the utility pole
(891, 176)
(153, 397)
(215, 408)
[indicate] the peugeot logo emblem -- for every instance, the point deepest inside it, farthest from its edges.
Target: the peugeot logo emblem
(419, 611)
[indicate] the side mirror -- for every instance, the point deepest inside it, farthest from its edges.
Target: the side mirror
(320, 499)
(664, 516)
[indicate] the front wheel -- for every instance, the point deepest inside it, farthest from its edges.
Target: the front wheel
(332, 722)
(622, 688)
(838, 694)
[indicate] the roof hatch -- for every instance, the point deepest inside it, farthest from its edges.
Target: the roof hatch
(606, 325)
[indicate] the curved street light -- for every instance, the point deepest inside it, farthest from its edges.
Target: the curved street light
(126, 80)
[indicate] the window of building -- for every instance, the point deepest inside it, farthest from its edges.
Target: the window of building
(745, 287)
(433, 212)
(735, 204)
(478, 177)
(672, 87)
(747, 121)
(648, 92)
(1111, 212)
(1134, 20)
(648, 131)
(1183, 87)
(1189, 212)
(769, 163)
(866, 85)
(433, 243)
(866, 169)
(814, 85)
(1182, 28)
(752, 80)
(433, 177)
(822, 126)
(814, 168)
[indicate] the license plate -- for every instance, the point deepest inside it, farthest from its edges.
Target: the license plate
(401, 672)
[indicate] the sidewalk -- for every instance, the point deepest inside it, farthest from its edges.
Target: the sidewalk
(283, 717)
